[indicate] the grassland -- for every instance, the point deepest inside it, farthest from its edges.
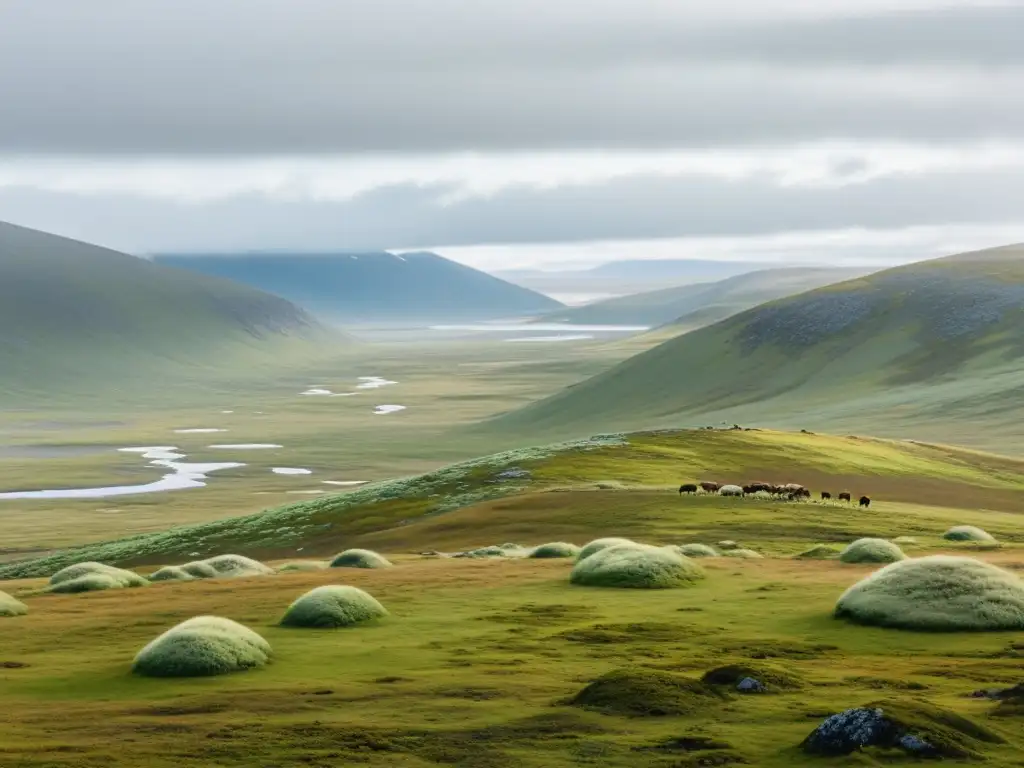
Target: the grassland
(478, 659)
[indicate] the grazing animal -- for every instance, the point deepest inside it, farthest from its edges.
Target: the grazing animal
(687, 488)
(758, 487)
(825, 495)
(731, 490)
(844, 496)
(709, 487)
(865, 501)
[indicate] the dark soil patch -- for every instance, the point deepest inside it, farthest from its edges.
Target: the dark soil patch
(643, 632)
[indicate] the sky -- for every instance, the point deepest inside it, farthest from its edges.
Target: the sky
(518, 133)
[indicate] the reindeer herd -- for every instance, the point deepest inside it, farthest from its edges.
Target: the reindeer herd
(789, 491)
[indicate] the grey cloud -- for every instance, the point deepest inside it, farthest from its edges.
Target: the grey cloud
(269, 76)
(629, 208)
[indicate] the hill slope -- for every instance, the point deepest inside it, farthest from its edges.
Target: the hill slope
(933, 349)
(75, 314)
(703, 303)
(373, 287)
(509, 496)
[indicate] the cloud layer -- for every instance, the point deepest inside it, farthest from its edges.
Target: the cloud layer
(349, 124)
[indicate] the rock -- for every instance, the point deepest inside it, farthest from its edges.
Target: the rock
(512, 473)
(847, 732)
(750, 685)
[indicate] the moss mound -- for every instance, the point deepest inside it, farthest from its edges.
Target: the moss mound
(919, 729)
(200, 647)
(968, 533)
(727, 545)
(171, 573)
(555, 549)
(646, 693)
(597, 545)
(938, 593)
(696, 550)
(360, 558)
(303, 566)
(200, 569)
(743, 554)
(93, 577)
(237, 566)
(773, 678)
(871, 551)
(9, 606)
(332, 606)
(635, 566)
(819, 552)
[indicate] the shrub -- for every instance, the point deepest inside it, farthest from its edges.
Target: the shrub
(646, 692)
(968, 533)
(171, 573)
(93, 577)
(871, 551)
(360, 558)
(555, 549)
(818, 552)
(332, 606)
(636, 566)
(9, 606)
(598, 544)
(938, 593)
(696, 550)
(743, 554)
(202, 646)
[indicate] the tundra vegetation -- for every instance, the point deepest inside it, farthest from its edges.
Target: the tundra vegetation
(332, 606)
(871, 551)
(503, 661)
(9, 606)
(360, 558)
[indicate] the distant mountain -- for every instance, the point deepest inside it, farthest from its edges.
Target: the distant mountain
(356, 288)
(691, 306)
(628, 276)
(74, 315)
(933, 350)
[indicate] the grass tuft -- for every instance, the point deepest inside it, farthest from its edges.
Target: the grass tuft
(818, 552)
(938, 593)
(555, 549)
(360, 558)
(696, 550)
(968, 533)
(303, 566)
(93, 577)
(332, 606)
(871, 551)
(597, 545)
(743, 554)
(636, 566)
(200, 647)
(171, 573)
(11, 607)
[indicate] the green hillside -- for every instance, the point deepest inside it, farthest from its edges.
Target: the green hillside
(549, 491)
(76, 316)
(692, 306)
(931, 350)
(376, 287)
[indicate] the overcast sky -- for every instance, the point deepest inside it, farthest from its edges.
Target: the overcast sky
(510, 133)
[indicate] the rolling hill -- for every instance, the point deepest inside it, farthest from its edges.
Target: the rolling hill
(691, 306)
(932, 350)
(76, 316)
(362, 288)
